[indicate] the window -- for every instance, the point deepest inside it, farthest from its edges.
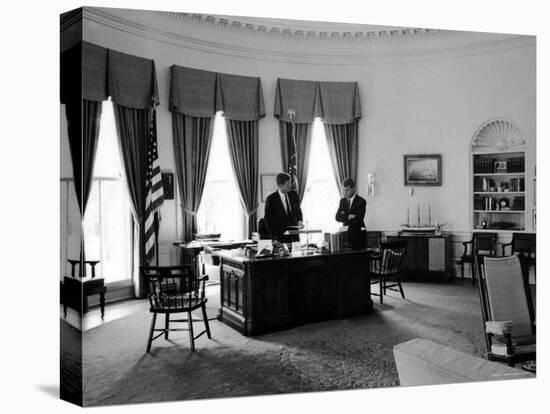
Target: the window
(322, 195)
(107, 221)
(220, 210)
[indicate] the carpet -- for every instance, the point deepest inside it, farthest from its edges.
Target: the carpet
(333, 355)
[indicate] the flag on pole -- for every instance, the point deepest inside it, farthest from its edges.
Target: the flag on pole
(292, 162)
(155, 192)
(292, 158)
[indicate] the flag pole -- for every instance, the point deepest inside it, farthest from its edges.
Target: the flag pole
(156, 230)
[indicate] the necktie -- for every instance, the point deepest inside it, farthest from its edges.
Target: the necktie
(287, 205)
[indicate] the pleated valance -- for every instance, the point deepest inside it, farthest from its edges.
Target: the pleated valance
(299, 96)
(193, 92)
(334, 102)
(84, 73)
(240, 97)
(132, 80)
(94, 73)
(201, 93)
(339, 102)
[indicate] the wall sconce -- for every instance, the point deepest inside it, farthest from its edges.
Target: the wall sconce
(371, 184)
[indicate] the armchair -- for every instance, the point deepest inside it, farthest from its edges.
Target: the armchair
(507, 309)
(480, 243)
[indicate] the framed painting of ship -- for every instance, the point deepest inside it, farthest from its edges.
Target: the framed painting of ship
(422, 169)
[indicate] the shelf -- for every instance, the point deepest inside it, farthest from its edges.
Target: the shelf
(487, 175)
(497, 174)
(500, 211)
(503, 193)
(500, 153)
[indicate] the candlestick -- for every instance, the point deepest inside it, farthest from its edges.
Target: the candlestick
(429, 215)
(418, 214)
(408, 222)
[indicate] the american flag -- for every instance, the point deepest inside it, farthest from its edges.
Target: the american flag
(292, 159)
(155, 192)
(292, 165)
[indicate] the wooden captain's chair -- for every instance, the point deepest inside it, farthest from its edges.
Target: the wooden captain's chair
(524, 245)
(374, 239)
(175, 289)
(481, 243)
(386, 266)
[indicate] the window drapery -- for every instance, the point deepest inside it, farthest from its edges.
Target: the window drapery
(242, 137)
(89, 74)
(195, 97)
(192, 139)
(132, 130)
(298, 102)
(342, 142)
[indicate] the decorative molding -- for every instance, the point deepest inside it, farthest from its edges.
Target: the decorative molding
(302, 33)
(499, 134)
(433, 48)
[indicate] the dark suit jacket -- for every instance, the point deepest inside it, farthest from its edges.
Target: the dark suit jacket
(277, 220)
(356, 237)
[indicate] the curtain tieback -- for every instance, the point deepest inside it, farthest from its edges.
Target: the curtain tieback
(190, 212)
(252, 212)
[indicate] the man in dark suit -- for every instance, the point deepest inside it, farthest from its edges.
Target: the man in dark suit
(351, 213)
(282, 209)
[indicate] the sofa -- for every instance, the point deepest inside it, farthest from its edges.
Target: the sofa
(423, 362)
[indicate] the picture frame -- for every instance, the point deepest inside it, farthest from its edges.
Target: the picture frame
(268, 185)
(422, 169)
(168, 184)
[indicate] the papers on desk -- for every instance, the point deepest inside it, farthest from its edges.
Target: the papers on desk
(265, 248)
(300, 230)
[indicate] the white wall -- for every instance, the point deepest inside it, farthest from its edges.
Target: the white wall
(431, 105)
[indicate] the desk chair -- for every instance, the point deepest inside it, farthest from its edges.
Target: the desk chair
(481, 243)
(507, 309)
(175, 289)
(386, 265)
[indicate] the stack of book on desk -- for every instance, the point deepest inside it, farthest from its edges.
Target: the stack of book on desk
(335, 241)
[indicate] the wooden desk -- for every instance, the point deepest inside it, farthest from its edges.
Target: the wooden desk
(262, 295)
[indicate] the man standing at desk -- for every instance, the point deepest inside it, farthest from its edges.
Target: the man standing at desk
(282, 209)
(351, 213)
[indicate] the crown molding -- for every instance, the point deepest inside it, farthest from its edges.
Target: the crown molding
(268, 29)
(374, 48)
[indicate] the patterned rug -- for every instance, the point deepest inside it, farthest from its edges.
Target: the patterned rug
(334, 355)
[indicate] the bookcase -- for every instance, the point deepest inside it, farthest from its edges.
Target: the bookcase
(499, 190)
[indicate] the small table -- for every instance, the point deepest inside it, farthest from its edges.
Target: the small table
(76, 292)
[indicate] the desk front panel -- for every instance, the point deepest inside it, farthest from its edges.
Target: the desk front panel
(282, 293)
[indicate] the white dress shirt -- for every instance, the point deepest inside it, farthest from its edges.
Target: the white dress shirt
(283, 200)
(350, 200)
